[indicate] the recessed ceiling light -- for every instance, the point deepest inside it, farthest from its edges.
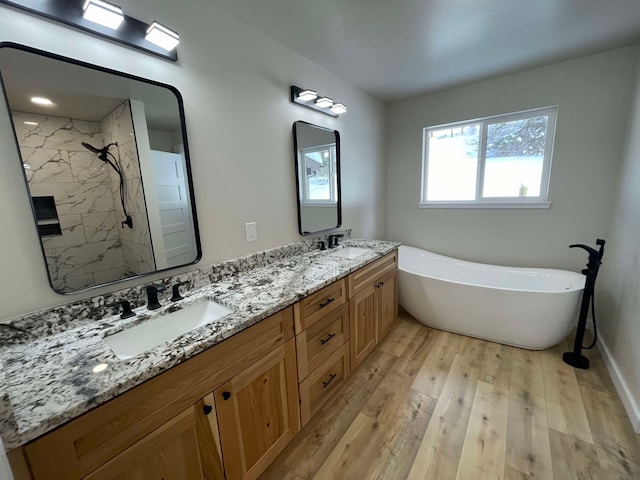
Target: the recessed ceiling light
(162, 36)
(41, 101)
(324, 102)
(308, 95)
(31, 123)
(103, 13)
(339, 108)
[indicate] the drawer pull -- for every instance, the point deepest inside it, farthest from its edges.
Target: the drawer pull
(329, 300)
(226, 395)
(331, 377)
(325, 340)
(207, 409)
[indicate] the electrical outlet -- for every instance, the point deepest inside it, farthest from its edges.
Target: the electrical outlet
(251, 231)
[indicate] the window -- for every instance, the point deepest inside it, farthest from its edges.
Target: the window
(319, 181)
(501, 161)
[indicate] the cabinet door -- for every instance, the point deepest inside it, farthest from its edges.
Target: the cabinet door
(363, 332)
(168, 453)
(258, 413)
(387, 303)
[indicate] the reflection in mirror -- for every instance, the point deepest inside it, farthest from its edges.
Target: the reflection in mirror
(317, 153)
(107, 167)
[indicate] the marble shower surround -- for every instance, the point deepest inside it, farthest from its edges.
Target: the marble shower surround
(135, 242)
(50, 381)
(62, 167)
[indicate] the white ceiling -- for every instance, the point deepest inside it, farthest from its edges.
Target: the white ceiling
(402, 48)
(78, 92)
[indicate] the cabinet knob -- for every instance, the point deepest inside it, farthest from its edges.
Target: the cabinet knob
(226, 395)
(207, 409)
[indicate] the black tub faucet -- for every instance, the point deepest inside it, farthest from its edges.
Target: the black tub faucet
(333, 239)
(152, 296)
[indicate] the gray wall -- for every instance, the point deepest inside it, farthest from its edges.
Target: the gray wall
(592, 94)
(235, 83)
(618, 299)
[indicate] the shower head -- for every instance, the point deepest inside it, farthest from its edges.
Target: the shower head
(91, 148)
(101, 152)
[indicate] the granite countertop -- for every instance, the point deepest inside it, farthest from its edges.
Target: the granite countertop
(51, 380)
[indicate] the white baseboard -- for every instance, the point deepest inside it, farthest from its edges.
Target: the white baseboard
(623, 389)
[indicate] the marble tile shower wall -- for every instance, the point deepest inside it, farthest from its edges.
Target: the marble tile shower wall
(58, 319)
(135, 242)
(88, 251)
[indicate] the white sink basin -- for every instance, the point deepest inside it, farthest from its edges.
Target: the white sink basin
(351, 252)
(132, 341)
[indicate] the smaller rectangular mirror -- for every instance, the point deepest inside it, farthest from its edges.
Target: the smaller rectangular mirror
(317, 161)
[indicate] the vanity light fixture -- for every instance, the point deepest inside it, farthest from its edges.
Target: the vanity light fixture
(162, 36)
(339, 108)
(41, 101)
(103, 13)
(308, 95)
(311, 99)
(324, 102)
(105, 20)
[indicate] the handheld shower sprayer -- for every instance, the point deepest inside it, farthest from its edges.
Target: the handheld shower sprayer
(102, 154)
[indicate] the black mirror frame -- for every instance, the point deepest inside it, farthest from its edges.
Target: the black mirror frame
(297, 170)
(183, 130)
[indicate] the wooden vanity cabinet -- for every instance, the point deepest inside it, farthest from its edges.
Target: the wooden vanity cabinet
(169, 452)
(373, 305)
(229, 411)
(144, 421)
(322, 345)
(258, 413)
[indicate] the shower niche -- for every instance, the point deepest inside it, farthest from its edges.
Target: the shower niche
(109, 153)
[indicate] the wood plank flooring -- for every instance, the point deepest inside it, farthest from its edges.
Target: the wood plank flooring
(434, 405)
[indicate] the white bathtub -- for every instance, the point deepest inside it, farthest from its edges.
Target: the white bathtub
(524, 307)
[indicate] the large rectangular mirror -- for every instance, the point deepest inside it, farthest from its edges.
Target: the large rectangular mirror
(317, 160)
(106, 162)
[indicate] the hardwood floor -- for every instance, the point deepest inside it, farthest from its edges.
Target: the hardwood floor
(434, 405)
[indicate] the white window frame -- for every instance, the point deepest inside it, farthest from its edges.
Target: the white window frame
(304, 185)
(540, 201)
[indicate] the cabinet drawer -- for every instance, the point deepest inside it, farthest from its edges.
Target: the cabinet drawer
(362, 278)
(317, 305)
(320, 340)
(319, 386)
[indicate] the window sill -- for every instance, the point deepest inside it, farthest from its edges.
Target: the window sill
(485, 205)
(319, 204)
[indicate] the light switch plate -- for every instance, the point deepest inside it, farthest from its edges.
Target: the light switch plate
(251, 231)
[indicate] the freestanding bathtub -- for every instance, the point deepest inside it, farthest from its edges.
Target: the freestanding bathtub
(524, 307)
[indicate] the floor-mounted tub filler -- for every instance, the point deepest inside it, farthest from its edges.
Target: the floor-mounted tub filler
(524, 307)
